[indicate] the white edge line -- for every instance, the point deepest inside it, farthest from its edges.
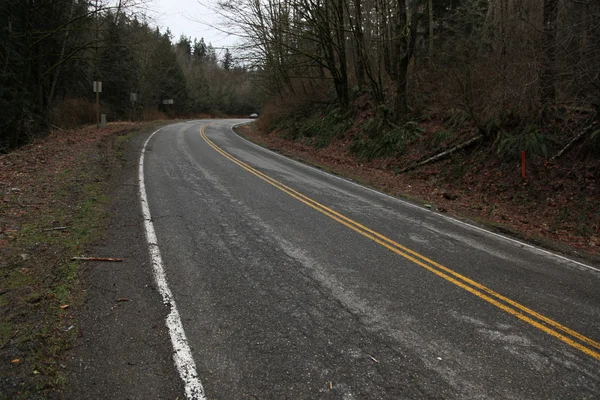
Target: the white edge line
(182, 354)
(530, 247)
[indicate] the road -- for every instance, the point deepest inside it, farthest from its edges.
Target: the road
(294, 284)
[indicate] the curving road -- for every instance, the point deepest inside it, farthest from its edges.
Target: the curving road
(294, 284)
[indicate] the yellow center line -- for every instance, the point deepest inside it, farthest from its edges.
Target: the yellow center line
(445, 273)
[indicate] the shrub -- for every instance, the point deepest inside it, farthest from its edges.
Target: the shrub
(152, 114)
(531, 140)
(323, 128)
(387, 143)
(74, 112)
(435, 140)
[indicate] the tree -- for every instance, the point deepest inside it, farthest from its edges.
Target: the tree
(200, 50)
(227, 61)
(547, 76)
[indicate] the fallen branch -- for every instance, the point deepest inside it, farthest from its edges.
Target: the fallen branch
(58, 228)
(27, 205)
(9, 339)
(443, 154)
(571, 143)
(96, 259)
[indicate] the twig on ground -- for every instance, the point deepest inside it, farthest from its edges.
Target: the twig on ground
(374, 359)
(111, 259)
(58, 228)
(9, 339)
(26, 205)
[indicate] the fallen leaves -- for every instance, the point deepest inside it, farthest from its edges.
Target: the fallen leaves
(480, 186)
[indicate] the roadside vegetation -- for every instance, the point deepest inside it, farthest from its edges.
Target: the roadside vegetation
(55, 164)
(53, 202)
(493, 105)
(439, 101)
(51, 52)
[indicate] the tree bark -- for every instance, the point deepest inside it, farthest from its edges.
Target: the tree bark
(62, 55)
(341, 44)
(548, 74)
(406, 40)
(359, 37)
(430, 42)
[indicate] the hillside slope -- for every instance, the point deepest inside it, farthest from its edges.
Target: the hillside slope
(556, 205)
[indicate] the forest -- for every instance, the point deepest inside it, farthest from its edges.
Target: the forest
(521, 72)
(51, 52)
(513, 69)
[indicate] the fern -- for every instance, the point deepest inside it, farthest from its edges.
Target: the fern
(386, 144)
(531, 140)
(438, 138)
(319, 129)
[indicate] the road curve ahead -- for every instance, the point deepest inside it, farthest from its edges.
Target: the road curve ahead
(294, 284)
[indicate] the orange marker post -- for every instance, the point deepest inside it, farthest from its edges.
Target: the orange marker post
(523, 164)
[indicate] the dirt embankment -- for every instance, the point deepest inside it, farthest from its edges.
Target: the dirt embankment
(557, 205)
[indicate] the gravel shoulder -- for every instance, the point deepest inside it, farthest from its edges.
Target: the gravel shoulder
(123, 350)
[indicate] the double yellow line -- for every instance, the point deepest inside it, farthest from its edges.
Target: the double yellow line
(551, 327)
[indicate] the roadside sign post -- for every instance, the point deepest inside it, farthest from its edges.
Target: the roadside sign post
(133, 98)
(166, 102)
(97, 90)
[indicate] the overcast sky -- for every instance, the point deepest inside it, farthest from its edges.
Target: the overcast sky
(183, 17)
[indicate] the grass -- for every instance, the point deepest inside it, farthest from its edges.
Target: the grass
(33, 326)
(35, 320)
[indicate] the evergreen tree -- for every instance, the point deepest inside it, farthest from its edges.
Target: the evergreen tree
(227, 61)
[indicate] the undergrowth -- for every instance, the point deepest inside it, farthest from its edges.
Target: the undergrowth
(530, 139)
(383, 139)
(318, 128)
(41, 284)
(38, 323)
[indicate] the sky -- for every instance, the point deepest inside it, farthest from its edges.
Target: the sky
(190, 18)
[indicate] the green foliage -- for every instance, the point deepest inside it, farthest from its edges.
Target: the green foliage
(531, 140)
(384, 143)
(458, 119)
(315, 127)
(51, 51)
(436, 139)
(118, 70)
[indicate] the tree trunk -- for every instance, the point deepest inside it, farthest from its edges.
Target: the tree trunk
(359, 37)
(402, 41)
(62, 55)
(548, 74)
(430, 43)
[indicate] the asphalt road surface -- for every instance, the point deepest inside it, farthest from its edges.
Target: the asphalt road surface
(294, 284)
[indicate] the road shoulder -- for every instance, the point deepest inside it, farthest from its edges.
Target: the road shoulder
(419, 192)
(123, 350)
